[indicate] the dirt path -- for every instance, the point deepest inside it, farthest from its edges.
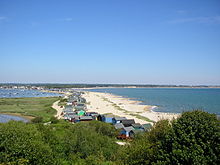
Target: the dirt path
(58, 109)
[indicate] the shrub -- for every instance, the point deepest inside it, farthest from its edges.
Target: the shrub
(20, 142)
(193, 139)
(54, 120)
(37, 120)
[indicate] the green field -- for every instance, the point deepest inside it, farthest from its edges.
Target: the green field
(36, 106)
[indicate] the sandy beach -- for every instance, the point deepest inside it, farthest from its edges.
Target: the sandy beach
(105, 103)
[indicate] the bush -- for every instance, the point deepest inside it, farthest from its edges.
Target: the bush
(86, 140)
(20, 142)
(62, 143)
(54, 120)
(193, 139)
(37, 120)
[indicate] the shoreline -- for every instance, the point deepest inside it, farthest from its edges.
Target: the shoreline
(110, 87)
(18, 115)
(107, 103)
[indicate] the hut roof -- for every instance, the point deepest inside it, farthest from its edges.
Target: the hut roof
(120, 118)
(86, 118)
(136, 125)
(128, 122)
(109, 115)
(128, 129)
(119, 126)
(80, 113)
(146, 126)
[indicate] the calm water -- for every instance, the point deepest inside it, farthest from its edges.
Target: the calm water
(10, 93)
(174, 100)
(5, 118)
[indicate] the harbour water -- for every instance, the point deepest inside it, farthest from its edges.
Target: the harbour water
(5, 118)
(174, 100)
(13, 93)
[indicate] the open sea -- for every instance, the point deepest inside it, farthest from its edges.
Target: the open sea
(174, 100)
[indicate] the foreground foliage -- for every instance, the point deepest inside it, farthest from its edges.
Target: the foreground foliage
(61, 143)
(194, 138)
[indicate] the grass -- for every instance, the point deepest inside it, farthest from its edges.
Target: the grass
(35, 107)
(119, 108)
(127, 112)
(141, 117)
(62, 102)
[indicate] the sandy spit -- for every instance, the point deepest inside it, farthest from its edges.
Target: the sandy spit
(105, 103)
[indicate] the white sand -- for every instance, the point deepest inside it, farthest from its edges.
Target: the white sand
(107, 103)
(58, 109)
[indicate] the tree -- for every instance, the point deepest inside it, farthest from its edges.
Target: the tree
(20, 142)
(142, 149)
(193, 139)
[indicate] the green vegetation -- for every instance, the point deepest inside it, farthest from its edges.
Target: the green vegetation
(62, 102)
(36, 106)
(141, 117)
(38, 119)
(127, 112)
(193, 138)
(61, 143)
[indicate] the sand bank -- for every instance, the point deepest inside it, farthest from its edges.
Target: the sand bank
(105, 103)
(58, 109)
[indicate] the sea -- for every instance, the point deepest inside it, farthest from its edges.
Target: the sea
(16, 93)
(172, 100)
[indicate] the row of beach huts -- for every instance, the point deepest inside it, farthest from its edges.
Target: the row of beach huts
(76, 111)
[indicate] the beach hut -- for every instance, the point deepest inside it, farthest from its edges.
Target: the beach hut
(93, 114)
(146, 127)
(100, 117)
(116, 120)
(125, 132)
(81, 113)
(74, 118)
(135, 132)
(82, 100)
(85, 118)
(119, 126)
(80, 107)
(127, 122)
(137, 126)
(108, 118)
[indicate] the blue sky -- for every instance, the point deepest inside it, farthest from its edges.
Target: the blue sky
(110, 41)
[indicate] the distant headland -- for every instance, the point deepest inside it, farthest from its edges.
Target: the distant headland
(76, 85)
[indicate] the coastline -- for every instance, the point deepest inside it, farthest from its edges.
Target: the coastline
(18, 115)
(106, 103)
(187, 87)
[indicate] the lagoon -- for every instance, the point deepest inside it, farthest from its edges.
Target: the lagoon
(16, 93)
(4, 118)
